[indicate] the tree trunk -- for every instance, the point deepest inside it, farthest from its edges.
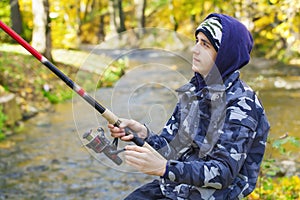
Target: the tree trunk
(121, 17)
(117, 19)
(112, 16)
(41, 39)
(15, 16)
(48, 33)
(172, 16)
(101, 33)
(140, 14)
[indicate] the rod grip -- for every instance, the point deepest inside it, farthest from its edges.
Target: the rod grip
(140, 142)
(113, 119)
(137, 140)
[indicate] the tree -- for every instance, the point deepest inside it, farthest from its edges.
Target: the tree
(15, 16)
(117, 18)
(41, 39)
(172, 16)
(48, 33)
(121, 21)
(140, 7)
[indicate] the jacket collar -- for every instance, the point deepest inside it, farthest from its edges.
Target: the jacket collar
(211, 88)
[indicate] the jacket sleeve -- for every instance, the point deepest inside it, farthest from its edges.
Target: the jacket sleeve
(223, 164)
(162, 142)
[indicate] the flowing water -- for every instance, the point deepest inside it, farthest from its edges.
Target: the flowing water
(47, 160)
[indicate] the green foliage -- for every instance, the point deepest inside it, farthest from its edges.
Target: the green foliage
(5, 17)
(27, 19)
(60, 95)
(2, 125)
(270, 166)
(280, 144)
(270, 185)
(113, 73)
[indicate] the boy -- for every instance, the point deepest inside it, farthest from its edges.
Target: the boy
(214, 142)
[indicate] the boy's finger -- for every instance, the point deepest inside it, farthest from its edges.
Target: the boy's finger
(127, 137)
(135, 148)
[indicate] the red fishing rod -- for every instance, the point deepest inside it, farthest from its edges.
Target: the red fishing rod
(107, 114)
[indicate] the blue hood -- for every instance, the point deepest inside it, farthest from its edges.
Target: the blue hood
(234, 51)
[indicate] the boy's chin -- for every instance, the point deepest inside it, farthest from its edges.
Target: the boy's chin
(195, 68)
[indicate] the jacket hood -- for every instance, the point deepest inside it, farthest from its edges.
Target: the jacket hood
(234, 51)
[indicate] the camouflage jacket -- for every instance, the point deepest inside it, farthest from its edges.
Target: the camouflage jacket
(214, 142)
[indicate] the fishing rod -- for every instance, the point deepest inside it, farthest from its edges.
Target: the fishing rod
(97, 142)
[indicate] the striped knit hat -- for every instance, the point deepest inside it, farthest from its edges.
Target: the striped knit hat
(212, 29)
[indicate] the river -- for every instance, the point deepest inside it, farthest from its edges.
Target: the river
(48, 160)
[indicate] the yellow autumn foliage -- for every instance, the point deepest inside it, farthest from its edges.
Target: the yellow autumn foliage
(273, 21)
(285, 188)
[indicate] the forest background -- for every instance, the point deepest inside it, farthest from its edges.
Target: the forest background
(70, 24)
(67, 24)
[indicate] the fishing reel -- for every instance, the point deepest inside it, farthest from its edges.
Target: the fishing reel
(99, 143)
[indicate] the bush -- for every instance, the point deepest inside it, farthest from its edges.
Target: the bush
(270, 186)
(284, 188)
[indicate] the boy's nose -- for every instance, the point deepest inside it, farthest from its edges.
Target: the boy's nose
(195, 49)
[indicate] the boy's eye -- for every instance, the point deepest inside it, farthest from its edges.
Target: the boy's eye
(205, 44)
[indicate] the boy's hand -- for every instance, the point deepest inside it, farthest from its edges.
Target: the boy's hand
(144, 160)
(119, 132)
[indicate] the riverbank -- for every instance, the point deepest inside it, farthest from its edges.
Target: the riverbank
(34, 87)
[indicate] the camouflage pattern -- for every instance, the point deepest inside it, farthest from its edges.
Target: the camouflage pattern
(214, 142)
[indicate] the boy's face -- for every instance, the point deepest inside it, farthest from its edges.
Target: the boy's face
(204, 55)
